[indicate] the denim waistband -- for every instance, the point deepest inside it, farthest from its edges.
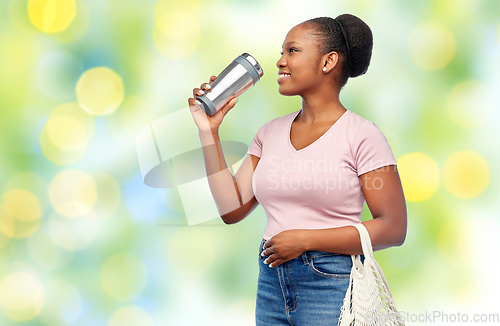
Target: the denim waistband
(309, 254)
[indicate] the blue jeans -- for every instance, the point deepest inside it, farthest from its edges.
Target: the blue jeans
(306, 290)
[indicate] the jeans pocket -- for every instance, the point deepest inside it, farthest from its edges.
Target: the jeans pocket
(334, 266)
(260, 250)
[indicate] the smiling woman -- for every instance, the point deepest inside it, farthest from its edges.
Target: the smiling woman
(309, 235)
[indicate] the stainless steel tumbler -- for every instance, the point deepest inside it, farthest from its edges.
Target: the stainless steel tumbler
(235, 79)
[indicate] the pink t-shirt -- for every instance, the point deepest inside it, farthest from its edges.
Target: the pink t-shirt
(318, 186)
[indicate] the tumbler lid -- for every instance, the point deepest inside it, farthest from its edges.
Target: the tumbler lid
(251, 65)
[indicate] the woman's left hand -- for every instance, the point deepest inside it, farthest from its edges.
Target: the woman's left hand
(283, 247)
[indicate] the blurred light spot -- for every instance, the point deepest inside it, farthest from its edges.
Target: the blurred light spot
(33, 183)
(123, 276)
(13, 227)
(135, 113)
(18, 54)
(55, 154)
(108, 195)
(163, 6)
(22, 215)
(22, 205)
(470, 104)
(75, 233)
(4, 239)
(75, 111)
(73, 193)
(57, 73)
(19, 19)
(454, 243)
(7, 224)
(51, 16)
(6, 227)
(63, 304)
(130, 316)
(21, 296)
(168, 21)
(192, 250)
(45, 252)
(469, 294)
(100, 91)
(431, 46)
(458, 12)
(241, 313)
(464, 244)
(176, 33)
(79, 26)
(484, 227)
(419, 175)
(66, 135)
(466, 174)
(15, 265)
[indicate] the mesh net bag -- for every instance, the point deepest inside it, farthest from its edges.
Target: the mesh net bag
(368, 300)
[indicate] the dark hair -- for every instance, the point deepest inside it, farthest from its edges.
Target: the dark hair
(331, 38)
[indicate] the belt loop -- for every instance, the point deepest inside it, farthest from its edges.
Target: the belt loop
(304, 258)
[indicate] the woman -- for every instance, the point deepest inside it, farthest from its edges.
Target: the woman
(316, 168)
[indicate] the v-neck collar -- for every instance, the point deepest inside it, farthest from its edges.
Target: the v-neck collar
(314, 142)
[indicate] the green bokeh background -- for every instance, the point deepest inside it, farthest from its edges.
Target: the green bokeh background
(170, 274)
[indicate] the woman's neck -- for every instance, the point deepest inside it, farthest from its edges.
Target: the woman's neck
(318, 109)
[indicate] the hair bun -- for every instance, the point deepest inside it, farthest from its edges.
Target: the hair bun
(360, 39)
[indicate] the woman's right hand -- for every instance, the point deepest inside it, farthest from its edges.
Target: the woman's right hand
(204, 121)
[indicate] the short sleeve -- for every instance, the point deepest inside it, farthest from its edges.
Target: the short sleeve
(371, 149)
(257, 144)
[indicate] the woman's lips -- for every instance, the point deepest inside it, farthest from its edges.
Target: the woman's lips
(282, 77)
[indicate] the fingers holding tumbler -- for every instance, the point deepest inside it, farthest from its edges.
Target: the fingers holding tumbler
(235, 79)
(206, 86)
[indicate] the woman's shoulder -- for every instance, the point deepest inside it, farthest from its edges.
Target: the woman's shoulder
(357, 123)
(279, 121)
(360, 129)
(287, 117)
(355, 119)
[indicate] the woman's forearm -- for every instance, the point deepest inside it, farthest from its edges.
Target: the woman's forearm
(222, 183)
(384, 233)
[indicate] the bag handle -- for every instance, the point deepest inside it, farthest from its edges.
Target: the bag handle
(366, 243)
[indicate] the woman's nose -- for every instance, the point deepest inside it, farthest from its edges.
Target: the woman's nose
(281, 63)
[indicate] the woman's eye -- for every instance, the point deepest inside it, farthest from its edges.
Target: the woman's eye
(289, 50)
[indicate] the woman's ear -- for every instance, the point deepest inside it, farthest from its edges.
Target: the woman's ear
(331, 60)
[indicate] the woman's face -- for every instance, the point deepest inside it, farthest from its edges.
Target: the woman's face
(300, 62)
